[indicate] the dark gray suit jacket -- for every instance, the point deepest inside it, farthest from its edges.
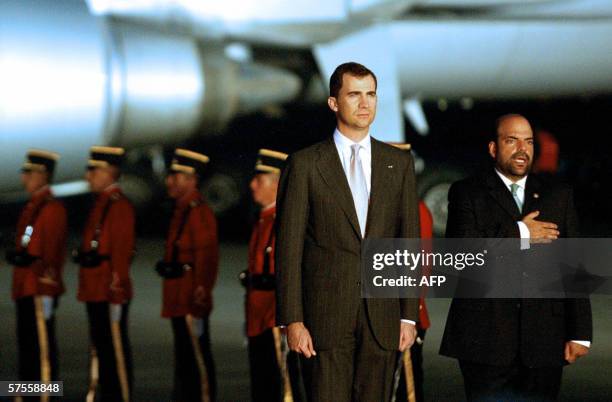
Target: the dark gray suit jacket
(498, 331)
(318, 246)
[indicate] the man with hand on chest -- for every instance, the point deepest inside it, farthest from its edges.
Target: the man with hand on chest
(514, 349)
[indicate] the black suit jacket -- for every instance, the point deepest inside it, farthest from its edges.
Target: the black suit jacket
(318, 246)
(497, 331)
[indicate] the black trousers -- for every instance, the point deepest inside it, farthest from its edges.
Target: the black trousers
(266, 378)
(357, 370)
(512, 383)
(100, 332)
(416, 356)
(187, 373)
(28, 343)
(264, 369)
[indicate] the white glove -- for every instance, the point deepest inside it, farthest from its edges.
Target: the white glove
(47, 305)
(198, 327)
(115, 312)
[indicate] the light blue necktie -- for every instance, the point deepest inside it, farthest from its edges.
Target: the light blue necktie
(513, 189)
(359, 189)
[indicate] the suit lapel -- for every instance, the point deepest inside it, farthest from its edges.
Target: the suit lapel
(502, 195)
(330, 168)
(532, 195)
(376, 189)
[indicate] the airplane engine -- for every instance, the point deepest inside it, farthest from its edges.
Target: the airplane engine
(71, 80)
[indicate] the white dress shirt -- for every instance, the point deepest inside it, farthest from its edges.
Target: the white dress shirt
(343, 145)
(520, 193)
(524, 231)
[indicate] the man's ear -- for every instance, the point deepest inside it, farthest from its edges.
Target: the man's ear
(332, 102)
(493, 149)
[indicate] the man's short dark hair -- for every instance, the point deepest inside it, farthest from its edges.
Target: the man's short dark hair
(352, 68)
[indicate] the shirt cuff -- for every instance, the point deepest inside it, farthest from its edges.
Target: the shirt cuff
(408, 321)
(583, 343)
(525, 235)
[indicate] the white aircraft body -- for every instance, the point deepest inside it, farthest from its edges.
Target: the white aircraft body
(150, 73)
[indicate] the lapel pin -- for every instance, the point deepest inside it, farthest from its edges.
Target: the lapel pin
(536, 195)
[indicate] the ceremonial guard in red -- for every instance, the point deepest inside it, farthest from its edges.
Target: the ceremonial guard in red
(38, 260)
(104, 257)
(416, 350)
(189, 269)
(266, 360)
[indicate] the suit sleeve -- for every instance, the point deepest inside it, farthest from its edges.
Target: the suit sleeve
(409, 229)
(292, 220)
(121, 216)
(206, 248)
(53, 249)
(578, 311)
(461, 220)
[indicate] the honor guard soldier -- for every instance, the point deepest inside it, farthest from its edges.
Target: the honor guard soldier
(410, 386)
(269, 378)
(104, 257)
(189, 269)
(38, 260)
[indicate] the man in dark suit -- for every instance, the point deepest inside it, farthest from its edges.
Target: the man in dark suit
(332, 195)
(514, 349)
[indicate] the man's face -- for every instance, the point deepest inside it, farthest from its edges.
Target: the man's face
(99, 178)
(513, 150)
(33, 180)
(178, 184)
(263, 188)
(355, 106)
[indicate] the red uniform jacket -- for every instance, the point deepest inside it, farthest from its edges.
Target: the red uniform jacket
(48, 243)
(110, 281)
(198, 246)
(261, 304)
(426, 233)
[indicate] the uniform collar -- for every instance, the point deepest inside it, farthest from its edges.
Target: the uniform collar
(41, 194)
(109, 191)
(268, 210)
(188, 199)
